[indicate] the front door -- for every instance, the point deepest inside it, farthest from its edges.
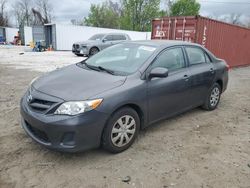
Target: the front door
(108, 41)
(168, 96)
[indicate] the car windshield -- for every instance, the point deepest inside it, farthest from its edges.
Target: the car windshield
(97, 37)
(122, 59)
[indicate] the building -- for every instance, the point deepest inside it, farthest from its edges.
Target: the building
(7, 34)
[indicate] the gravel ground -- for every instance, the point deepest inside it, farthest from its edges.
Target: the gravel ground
(196, 149)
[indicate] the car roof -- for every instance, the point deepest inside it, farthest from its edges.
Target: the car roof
(162, 43)
(112, 34)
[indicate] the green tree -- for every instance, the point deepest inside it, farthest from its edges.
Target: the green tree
(137, 14)
(103, 15)
(185, 8)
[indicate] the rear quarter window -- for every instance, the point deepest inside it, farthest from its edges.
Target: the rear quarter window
(208, 59)
(119, 37)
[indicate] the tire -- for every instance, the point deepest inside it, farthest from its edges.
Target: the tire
(213, 98)
(79, 55)
(114, 132)
(93, 51)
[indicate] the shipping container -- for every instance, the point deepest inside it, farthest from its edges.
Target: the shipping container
(226, 41)
(62, 36)
(26, 35)
(10, 34)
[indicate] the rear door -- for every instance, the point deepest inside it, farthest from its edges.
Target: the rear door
(118, 38)
(202, 74)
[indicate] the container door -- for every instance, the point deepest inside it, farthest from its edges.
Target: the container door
(38, 33)
(54, 37)
(184, 29)
(50, 36)
(2, 35)
(161, 29)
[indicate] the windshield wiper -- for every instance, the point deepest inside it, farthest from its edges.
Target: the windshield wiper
(98, 68)
(106, 70)
(90, 66)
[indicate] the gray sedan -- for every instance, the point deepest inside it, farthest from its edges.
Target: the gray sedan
(97, 43)
(106, 99)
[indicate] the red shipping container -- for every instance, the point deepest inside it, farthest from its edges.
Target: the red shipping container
(226, 41)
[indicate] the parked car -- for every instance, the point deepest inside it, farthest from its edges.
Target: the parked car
(97, 43)
(106, 99)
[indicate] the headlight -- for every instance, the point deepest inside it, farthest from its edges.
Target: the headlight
(77, 107)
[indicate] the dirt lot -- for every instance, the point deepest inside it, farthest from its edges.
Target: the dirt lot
(196, 149)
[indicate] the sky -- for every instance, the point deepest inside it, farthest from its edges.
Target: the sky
(65, 10)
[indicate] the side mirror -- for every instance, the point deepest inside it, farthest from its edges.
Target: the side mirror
(104, 40)
(158, 72)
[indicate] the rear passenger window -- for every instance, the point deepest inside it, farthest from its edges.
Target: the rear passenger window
(119, 37)
(208, 60)
(195, 55)
(109, 37)
(171, 59)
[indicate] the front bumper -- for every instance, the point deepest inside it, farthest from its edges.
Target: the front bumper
(64, 133)
(80, 51)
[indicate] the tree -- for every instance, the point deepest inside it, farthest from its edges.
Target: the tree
(137, 14)
(235, 19)
(22, 11)
(168, 4)
(185, 8)
(103, 15)
(42, 12)
(129, 14)
(3, 16)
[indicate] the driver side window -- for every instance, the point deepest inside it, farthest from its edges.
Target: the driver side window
(172, 59)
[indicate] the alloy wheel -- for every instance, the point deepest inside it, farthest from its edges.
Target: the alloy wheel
(215, 96)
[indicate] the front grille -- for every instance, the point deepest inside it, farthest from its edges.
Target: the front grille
(37, 133)
(40, 105)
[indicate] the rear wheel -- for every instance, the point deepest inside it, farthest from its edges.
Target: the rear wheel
(93, 51)
(213, 98)
(121, 130)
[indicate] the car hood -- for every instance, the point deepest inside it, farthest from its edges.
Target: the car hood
(76, 83)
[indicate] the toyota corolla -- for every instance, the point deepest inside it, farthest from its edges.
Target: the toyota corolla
(107, 99)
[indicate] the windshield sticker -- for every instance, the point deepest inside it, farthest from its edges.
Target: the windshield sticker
(147, 48)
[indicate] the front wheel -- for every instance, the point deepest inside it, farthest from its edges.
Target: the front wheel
(93, 51)
(213, 98)
(121, 130)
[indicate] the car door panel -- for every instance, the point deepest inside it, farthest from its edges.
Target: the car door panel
(202, 74)
(201, 79)
(168, 96)
(107, 42)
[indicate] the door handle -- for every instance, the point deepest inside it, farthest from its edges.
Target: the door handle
(212, 70)
(186, 77)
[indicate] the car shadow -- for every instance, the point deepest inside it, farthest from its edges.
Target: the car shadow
(99, 154)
